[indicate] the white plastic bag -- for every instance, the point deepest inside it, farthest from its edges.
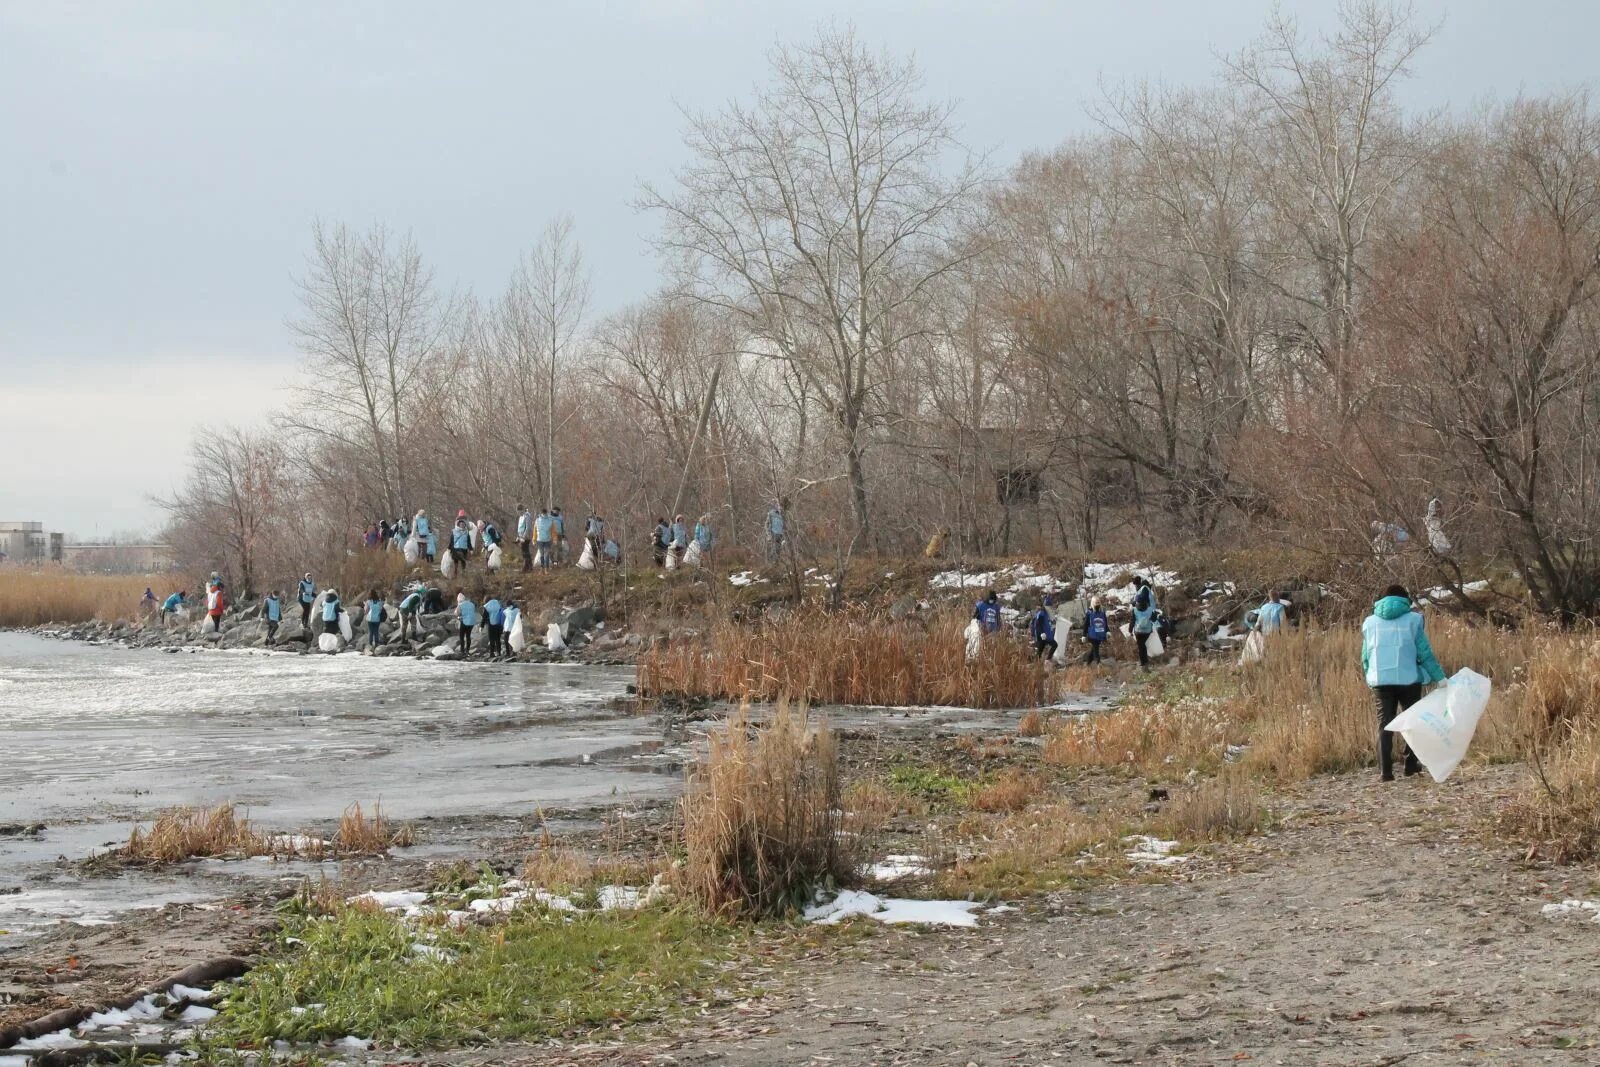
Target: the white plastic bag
(691, 555)
(345, 629)
(1255, 647)
(328, 642)
(553, 639)
(447, 563)
(519, 636)
(672, 560)
(1439, 727)
(974, 635)
(1153, 645)
(586, 560)
(411, 549)
(209, 626)
(495, 557)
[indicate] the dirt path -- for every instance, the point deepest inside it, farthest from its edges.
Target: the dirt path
(1392, 935)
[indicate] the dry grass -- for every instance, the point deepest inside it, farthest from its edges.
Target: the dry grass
(853, 658)
(1043, 848)
(1032, 725)
(1013, 791)
(1558, 812)
(565, 870)
(35, 597)
(1157, 739)
(193, 833)
(1228, 805)
(762, 816)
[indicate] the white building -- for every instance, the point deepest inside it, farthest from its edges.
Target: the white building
(29, 542)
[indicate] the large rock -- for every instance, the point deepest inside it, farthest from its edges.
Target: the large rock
(578, 620)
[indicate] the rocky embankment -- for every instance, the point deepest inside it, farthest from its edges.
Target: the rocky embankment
(585, 635)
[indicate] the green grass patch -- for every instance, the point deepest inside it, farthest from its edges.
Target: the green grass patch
(535, 975)
(935, 787)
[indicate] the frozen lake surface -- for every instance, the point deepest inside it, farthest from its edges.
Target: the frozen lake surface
(97, 737)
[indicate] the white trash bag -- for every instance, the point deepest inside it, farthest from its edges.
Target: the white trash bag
(672, 560)
(412, 551)
(495, 558)
(1153, 644)
(553, 639)
(974, 636)
(447, 563)
(519, 636)
(1255, 648)
(209, 625)
(345, 629)
(328, 642)
(691, 555)
(586, 560)
(1439, 727)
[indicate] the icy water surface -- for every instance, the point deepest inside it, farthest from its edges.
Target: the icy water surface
(95, 737)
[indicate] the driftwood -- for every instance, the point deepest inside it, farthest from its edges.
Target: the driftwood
(207, 973)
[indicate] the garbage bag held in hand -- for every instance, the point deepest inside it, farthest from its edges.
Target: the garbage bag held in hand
(495, 556)
(691, 555)
(1439, 727)
(345, 629)
(1154, 646)
(553, 639)
(1255, 647)
(209, 626)
(672, 560)
(328, 642)
(411, 549)
(974, 635)
(447, 563)
(586, 561)
(519, 636)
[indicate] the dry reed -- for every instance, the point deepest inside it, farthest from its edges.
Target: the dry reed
(762, 816)
(852, 658)
(36, 597)
(1228, 805)
(1031, 725)
(193, 833)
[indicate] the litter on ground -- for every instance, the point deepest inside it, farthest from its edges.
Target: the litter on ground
(893, 910)
(1153, 850)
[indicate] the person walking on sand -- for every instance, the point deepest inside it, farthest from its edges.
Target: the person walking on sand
(410, 607)
(375, 615)
(1043, 631)
(308, 596)
(272, 612)
(525, 537)
(467, 616)
(461, 542)
(988, 612)
(494, 619)
(777, 529)
(1397, 661)
(1096, 628)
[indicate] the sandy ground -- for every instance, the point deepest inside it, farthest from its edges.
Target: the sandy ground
(1394, 934)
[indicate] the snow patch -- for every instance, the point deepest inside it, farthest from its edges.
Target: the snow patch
(1153, 850)
(893, 910)
(189, 992)
(743, 578)
(196, 1013)
(1588, 910)
(392, 901)
(896, 866)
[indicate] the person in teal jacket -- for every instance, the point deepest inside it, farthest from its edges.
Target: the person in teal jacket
(1397, 660)
(467, 616)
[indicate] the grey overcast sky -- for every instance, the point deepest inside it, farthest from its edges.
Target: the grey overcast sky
(162, 164)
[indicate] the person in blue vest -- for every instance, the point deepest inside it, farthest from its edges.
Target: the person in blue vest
(1096, 628)
(467, 616)
(1397, 661)
(272, 612)
(1146, 617)
(594, 530)
(494, 620)
(703, 535)
(680, 536)
(461, 541)
(410, 608)
(170, 606)
(491, 536)
(330, 611)
(375, 616)
(661, 541)
(525, 536)
(1042, 628)
(1268, 618)
(544, 532)
(426, 539)
(777, 529)
(308, 596)
(988, 612)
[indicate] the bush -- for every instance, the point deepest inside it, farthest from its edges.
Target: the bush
(762, 816)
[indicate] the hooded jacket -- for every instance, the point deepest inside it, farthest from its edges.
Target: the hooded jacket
(1394, 648)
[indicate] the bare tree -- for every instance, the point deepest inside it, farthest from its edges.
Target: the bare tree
(817, 215)
(545, 307)
(225, 511)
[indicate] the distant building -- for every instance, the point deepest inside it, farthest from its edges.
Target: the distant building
(29, 542)
(115, 558)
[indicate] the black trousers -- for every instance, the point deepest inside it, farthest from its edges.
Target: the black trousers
(272, 629)
(464, 639)
(495, 634)
(1044, 647)
(1391, 700)
(1144, 653)
(527, 553)
(1094, 652)
(305, 615)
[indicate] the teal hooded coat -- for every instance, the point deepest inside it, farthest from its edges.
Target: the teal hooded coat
(1394, 648)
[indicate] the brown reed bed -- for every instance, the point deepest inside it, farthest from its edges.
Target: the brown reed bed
(763, 815)
(40, 596)
(851, 658)
(195, 833)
